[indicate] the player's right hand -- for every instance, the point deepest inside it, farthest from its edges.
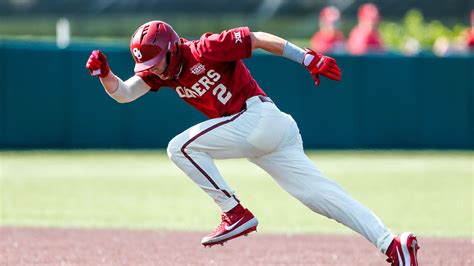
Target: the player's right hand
(317, 64)
(97, 64)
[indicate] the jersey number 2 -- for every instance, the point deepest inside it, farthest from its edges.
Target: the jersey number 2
(222, 94)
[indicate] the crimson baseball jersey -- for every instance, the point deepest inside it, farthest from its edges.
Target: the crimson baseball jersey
(213, 78)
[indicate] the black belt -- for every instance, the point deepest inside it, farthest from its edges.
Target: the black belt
(263, 99)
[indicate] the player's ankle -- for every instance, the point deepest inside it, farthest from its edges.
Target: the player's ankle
(238, 209)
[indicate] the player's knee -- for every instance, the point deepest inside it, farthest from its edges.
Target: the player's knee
(174, 148)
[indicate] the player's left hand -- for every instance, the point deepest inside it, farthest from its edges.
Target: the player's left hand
(317, 64)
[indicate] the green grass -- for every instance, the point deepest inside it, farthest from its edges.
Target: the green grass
(429, 192)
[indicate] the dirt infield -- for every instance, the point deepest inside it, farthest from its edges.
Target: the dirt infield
(45, 246)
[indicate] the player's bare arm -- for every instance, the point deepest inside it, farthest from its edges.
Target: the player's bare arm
(268, 42)
(315, 62)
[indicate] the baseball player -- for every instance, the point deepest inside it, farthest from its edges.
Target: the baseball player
(243, 123)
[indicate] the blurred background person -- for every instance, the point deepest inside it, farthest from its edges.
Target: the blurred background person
(329, 38)
(470, 34)
(364, 37)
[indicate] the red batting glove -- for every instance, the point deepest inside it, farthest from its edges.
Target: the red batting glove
(97, 64)
(317, 64)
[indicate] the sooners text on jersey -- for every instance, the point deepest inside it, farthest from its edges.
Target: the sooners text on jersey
(210, 80)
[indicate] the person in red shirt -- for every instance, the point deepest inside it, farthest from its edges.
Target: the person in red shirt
(470, 34)
(244, 122)
(364, 37)
(329, 39)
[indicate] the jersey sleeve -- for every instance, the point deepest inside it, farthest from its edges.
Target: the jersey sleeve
(151, 80)
(229, 45)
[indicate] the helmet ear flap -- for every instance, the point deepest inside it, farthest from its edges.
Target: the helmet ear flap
(175, 48)
(173, 60)
(173, 51)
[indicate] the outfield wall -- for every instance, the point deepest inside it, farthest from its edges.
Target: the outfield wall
(48, 100)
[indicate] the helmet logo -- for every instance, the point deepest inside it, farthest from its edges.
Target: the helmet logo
(137, 53)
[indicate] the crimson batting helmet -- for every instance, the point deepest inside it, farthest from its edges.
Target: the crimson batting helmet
(152, 42)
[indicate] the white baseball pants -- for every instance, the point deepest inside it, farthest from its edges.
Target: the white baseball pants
(270, 139)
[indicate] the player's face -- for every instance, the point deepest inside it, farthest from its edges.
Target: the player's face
(159, 68)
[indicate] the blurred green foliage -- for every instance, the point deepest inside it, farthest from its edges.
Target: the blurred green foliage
(413, 26)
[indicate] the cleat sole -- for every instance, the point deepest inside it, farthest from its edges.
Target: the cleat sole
(246, 232)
